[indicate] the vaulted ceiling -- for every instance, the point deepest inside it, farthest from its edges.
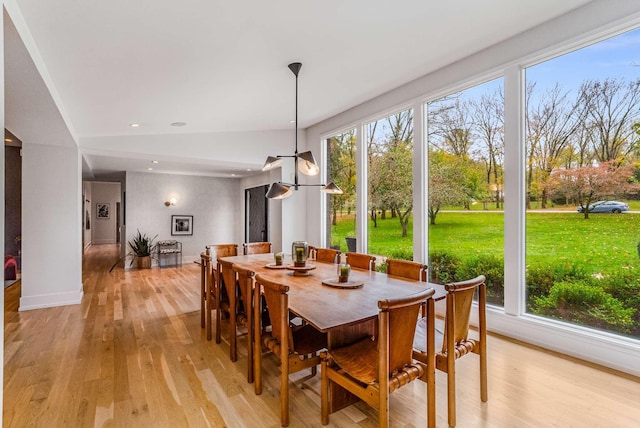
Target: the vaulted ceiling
(82, 72)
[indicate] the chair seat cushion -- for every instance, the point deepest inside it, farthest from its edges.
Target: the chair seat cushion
(308, 340)
(359, 360)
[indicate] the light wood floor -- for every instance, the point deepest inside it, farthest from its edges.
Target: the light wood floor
(133, 354)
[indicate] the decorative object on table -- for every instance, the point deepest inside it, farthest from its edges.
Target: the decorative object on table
(301, 270)
(142, 247)
(181, 225)
(102, 211)
(299, 253)
(343, 272)
(278, 257)
(336, 283)
(304, 162)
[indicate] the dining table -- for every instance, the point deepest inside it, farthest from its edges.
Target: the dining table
(347, 312)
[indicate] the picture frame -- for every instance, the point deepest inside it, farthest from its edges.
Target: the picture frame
(102, 211)
(181, 225)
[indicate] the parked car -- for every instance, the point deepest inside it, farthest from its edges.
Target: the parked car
(614, 207)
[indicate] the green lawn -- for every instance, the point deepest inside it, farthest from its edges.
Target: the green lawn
(604, 242)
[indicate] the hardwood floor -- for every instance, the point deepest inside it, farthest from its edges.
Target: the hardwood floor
(133, 354)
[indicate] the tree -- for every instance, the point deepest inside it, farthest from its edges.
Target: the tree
(590, 183)
(551, 123)
(613, 107)
(341, 151)
(446, 182)
(488, 117)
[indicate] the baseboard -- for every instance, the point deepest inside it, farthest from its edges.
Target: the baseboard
(50, 300)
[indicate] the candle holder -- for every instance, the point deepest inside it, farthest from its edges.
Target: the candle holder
(343, 272)
(278, 258)
(299, 252)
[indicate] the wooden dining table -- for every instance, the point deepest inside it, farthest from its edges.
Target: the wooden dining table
(345, 314)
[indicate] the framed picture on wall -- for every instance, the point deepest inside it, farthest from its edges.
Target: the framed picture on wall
(102, 210)
(182, 225)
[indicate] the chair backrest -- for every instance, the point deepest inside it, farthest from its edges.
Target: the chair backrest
(361, 261)
(327, 255)
(459, 300)
(245, 279)
(222, 250)
(397, 324)
(278, 306)
(256, 248)
(407, 269)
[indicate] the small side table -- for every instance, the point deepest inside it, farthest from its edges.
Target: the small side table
(169, 251)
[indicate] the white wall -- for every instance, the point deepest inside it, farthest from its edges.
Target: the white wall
(213, 202)
(51, 226)
(103, 230)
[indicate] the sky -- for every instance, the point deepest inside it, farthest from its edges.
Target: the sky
(616, 57)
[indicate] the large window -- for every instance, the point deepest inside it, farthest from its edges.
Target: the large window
(341, 215)
(582, 135)
(390, 191)
(465, 187)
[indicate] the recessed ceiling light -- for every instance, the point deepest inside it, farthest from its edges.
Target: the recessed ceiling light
(154, 161)
(233, 175)
(249, 169)
(149, 169)
(178, 123)
(134, 125)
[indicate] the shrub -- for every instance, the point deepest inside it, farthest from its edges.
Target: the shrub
(541, 278)
(442, 267)
(585, 304)
(492, 267)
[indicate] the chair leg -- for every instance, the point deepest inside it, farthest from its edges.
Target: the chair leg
(218, 294)
(284, 392)
(451, 394)
(324, 392)
(483, 375)
(203, 280)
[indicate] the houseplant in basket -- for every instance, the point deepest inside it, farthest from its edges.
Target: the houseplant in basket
(142, 247)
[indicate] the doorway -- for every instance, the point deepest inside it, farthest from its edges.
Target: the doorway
(256, 214)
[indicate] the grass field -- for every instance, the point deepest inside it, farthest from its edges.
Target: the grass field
(602, 243)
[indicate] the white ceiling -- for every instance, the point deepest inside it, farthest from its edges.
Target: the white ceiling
(221, 66)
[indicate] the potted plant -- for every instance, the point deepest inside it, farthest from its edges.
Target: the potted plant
(142, 247)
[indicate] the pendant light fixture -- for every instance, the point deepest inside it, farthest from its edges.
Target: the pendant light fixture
(304, 162)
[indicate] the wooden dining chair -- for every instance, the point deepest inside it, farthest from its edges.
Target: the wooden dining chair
(407, 269)
(361, 261)
(214, 298)
(249, 248)
(296, 346)
(205, 276)
(454, 342)
(372, 369)
(244, 313)
(327, 255)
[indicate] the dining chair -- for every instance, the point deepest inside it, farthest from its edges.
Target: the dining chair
(296, 346)
(373, 368)
(205, 276)
(407, 269)
(327, 255)
(361, 261)
(454, 342)
(214, 296)
(249, 248)
(244, 314)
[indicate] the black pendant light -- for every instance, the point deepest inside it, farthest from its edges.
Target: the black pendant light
(305, 162)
